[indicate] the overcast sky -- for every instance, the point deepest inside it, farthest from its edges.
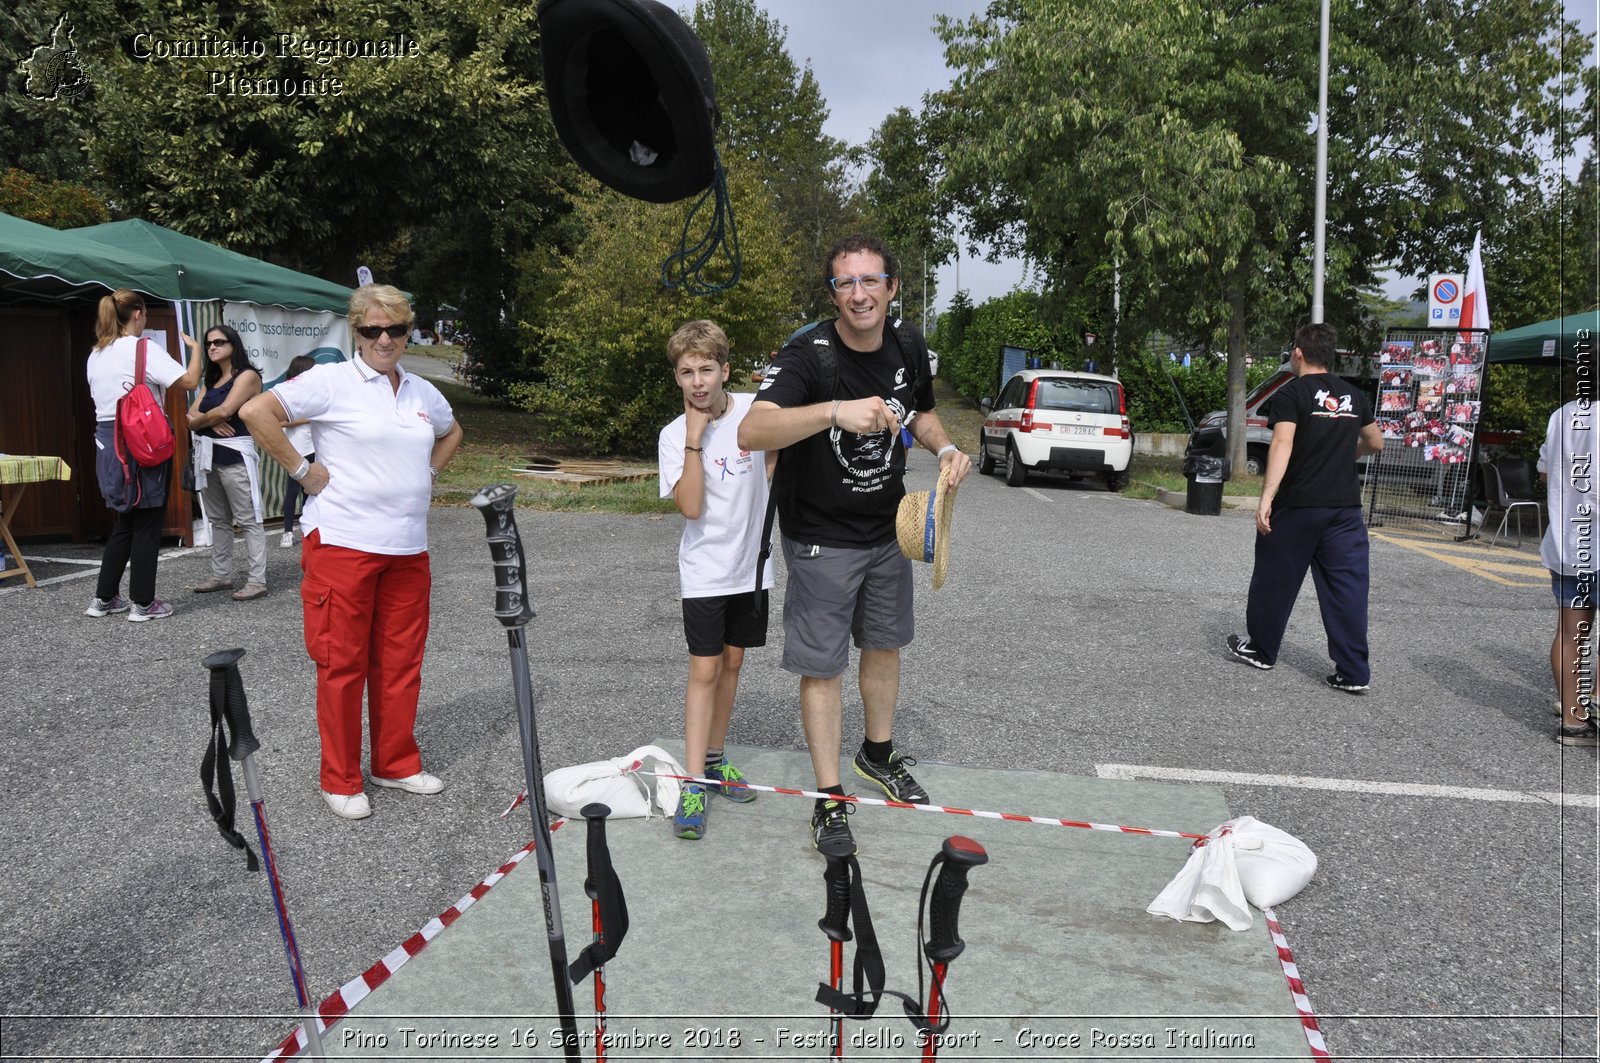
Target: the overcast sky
(871, 56)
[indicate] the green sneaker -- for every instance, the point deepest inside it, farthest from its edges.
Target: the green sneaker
(689, 821)
(729, 774)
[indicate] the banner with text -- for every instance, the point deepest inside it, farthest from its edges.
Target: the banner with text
(273, 335)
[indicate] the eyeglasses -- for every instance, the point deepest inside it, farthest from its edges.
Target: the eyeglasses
(372, 332)
(870, 283)
(217, 343)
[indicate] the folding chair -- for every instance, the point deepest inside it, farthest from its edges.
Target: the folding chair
(1513, 489)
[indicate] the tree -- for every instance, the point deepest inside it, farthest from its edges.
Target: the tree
(605, 333)
(58, 204)
(41, 124)
(1171, 138)
(297, 150)
(899, 199)
(772, 119)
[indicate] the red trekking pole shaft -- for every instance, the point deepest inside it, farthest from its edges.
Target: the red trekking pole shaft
(836, 924)
(944, 912)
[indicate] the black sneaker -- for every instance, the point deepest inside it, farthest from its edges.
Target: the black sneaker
(1582, 735)
(830, 828)
(892, 777)
(1242, 648)
(1349, 686)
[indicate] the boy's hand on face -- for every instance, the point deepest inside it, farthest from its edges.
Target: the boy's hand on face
(695, 422)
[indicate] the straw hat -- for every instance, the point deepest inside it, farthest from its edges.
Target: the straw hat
(923, 526)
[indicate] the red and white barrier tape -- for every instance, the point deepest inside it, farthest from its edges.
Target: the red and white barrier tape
(1009, 817)
(1297, 988)
(339, 1003)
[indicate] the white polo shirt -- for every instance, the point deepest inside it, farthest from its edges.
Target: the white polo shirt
(375, 443)
(111, 373)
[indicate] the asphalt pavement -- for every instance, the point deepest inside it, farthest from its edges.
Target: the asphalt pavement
(1453, 913)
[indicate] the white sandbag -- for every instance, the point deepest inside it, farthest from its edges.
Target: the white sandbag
(1273, 864)
(1207, 888)
(617, 782)
(1241, 860)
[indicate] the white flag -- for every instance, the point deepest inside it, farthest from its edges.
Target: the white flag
(1475, 303)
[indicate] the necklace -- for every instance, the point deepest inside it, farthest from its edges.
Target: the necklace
(727, 400)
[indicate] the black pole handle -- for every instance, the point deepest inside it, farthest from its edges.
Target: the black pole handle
(961, 855)
(512, 606)
(836, 921)
(595, 814)
(227, 693)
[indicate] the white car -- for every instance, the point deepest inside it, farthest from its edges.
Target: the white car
(1054, 421)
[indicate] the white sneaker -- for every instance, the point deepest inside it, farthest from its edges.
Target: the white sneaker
(286, 540)
(420, 783)
(156, 610)
(349, 806)
(102, 607)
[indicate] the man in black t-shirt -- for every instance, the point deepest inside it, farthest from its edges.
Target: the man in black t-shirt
(1310, 515)
(839, 483)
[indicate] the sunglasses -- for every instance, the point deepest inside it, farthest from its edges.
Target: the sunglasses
(372, 332)
(216, 343)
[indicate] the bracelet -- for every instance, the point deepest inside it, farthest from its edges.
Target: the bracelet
(833, 417)
(300, 473)
(947, 448)
(697, 450)
(433, 473)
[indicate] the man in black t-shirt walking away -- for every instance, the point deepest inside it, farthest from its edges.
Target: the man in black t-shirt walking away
(1310, 515)
(834, 401)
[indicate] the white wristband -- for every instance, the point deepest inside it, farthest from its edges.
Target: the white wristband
(300, 473)
(947, 448)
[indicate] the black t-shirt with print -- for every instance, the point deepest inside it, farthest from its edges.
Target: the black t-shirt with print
(837, 488)
(1328, 415)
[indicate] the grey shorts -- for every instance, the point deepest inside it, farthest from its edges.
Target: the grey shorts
(833, 594)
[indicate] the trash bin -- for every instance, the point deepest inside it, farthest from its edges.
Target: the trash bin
(1206, 467)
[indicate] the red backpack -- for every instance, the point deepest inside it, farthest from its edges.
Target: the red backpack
(143, 435)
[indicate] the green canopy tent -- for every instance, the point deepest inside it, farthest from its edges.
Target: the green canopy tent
(208, 272)
(1560, 338)
(41, 263)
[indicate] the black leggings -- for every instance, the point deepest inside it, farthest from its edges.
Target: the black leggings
(135, 537)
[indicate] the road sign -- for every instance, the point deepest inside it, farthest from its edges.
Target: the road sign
(1444, 299)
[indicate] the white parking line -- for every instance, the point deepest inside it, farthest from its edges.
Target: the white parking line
(1307, 782)
(1040, 495)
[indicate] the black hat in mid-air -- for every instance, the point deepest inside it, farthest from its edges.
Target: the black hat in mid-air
(631, 95)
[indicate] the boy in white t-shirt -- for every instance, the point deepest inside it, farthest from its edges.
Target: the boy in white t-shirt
(722, 492)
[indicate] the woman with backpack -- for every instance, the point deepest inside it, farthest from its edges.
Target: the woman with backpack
(140, 497)
(227, 471)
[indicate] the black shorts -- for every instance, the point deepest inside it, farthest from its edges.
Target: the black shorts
(709, 624)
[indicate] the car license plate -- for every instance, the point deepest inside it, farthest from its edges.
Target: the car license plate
(1081, 430)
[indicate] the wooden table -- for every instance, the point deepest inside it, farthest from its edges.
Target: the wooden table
(20, 470)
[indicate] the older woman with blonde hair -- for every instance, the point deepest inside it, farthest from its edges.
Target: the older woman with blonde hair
(139, 500)
(381, 435)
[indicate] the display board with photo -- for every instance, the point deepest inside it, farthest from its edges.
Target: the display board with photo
(1429, 406)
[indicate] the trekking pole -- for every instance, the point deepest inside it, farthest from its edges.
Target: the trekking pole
(835, 923)
(230, 710)
(944, 910)
(610, 919)
(513, 609)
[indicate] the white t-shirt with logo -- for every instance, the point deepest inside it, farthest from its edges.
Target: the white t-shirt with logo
(111, 373)
(375, 443)
(1568, 459)
(717, 554)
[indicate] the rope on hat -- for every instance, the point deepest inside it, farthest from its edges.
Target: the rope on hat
(685, 268)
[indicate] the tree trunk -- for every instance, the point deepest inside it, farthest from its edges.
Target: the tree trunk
(1238, 431)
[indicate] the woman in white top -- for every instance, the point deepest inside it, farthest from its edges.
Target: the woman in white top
(136, 535)
(381, 436)
(227, 472)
